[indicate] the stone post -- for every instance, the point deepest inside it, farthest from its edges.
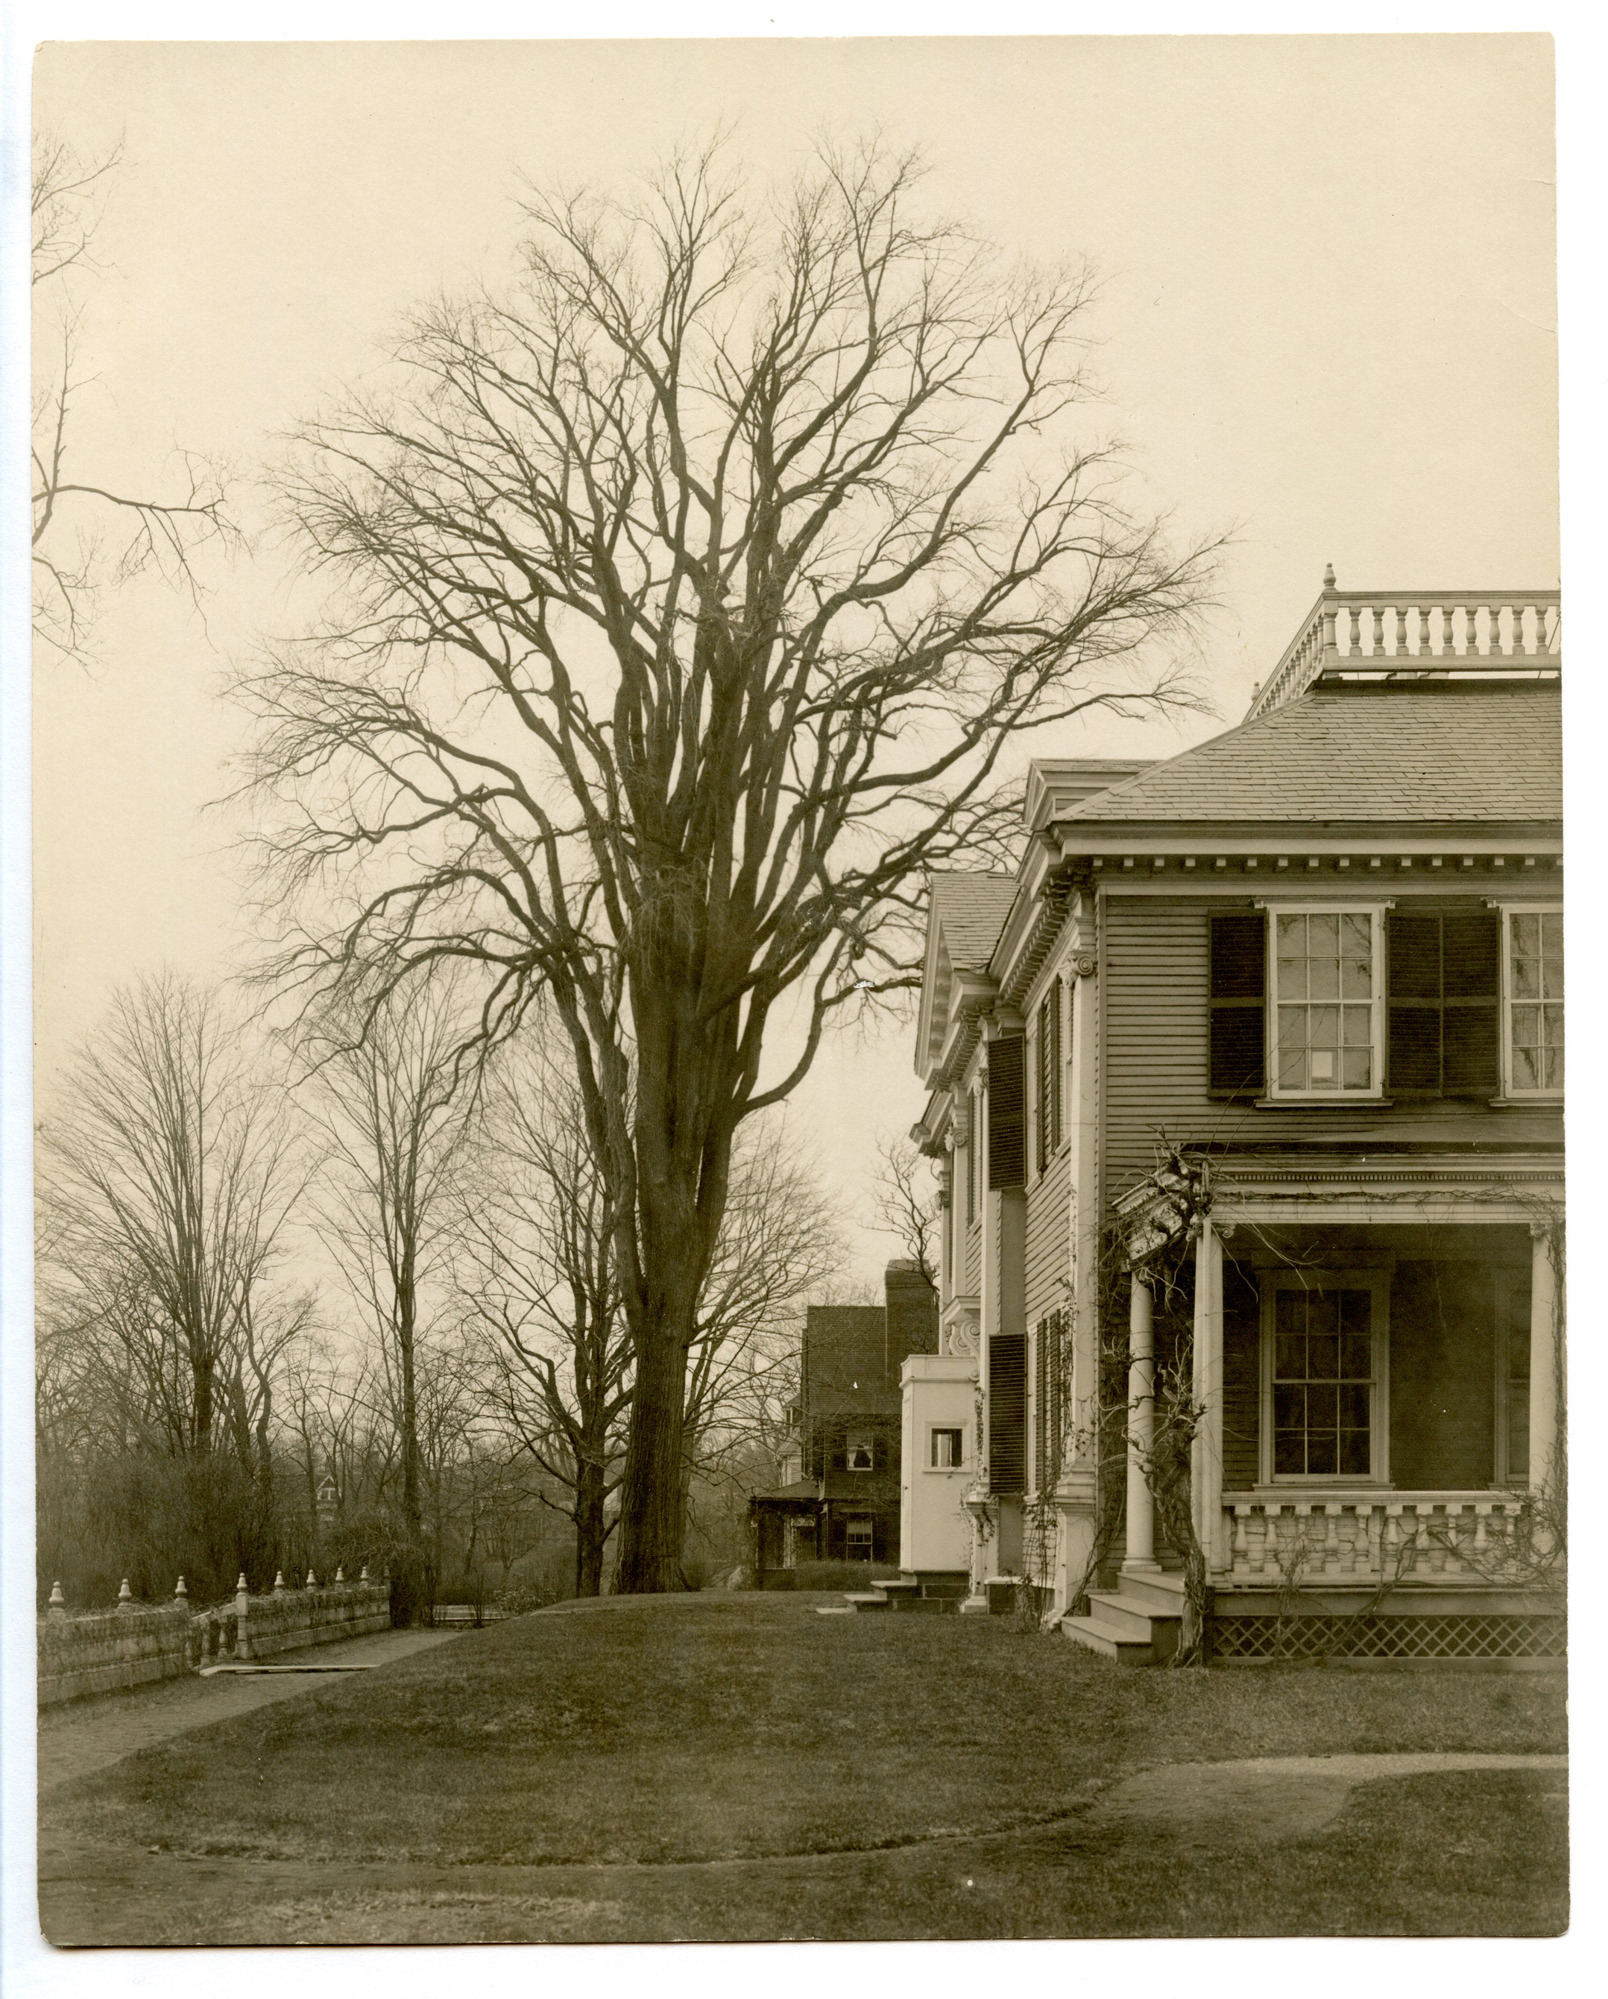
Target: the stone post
(242, 1619)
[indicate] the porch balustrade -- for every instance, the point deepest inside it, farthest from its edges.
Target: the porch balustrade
(1376, 1537)
(1421, 631)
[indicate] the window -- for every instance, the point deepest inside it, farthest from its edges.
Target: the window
(1326, 1003)
(1324, 1359)
(857, 1532)
(859, 1451)
(946, 1452)
(1049, 1078)
(1533, 980)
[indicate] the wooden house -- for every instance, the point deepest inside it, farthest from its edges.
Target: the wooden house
(1247, 1094)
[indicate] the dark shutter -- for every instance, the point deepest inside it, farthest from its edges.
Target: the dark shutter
(1471, 956)
(1414, 989)
(1007, 1136)
(1058, 1322)
(1041, 1402)
(1444, 1002)
(1007, 1414)
(1237, 1066)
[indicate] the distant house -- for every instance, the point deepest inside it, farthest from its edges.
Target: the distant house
(1314, 967)
(839, 1500)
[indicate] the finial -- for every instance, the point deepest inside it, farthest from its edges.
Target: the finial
(57, 1600)
(125, 1595)
(340, 1575)
(363, 1578)
(180, 1591)
(279, 1581)
(1328, 576)
(312, 1580)
(240, 1583)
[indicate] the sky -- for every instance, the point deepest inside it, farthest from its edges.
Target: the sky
(1326, 328)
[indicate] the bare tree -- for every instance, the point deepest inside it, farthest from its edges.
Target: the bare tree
(89, 534)
(539, 1263)
(169, 1171)
(685, 595)
(902, 1193)
(396, 1110)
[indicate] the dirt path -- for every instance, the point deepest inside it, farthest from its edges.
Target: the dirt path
(81, 1736)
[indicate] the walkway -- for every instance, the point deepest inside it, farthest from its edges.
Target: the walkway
(81, 1736)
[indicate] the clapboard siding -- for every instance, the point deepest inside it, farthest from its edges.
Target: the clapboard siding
(1155, 1043)
(1048, 1224)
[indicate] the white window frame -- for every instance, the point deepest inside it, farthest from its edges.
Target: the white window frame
(1375, 1281)
(958, 1429)
(1512, 1092)
(1375, 912)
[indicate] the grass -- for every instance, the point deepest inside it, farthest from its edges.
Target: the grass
(723, 1728)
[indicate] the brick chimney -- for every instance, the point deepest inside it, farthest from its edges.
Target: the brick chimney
(912, 1315)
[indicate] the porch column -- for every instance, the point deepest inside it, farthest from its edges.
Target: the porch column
(1206, 1453)
(1141, 1551)
(1543, 1358)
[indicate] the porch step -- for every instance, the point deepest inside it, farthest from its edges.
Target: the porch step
(1162, 1592)
(1095, 1635)
(865, 1599)
(1111, 1607)
(896, 1585)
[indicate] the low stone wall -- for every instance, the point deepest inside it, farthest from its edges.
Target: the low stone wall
(130, 1646)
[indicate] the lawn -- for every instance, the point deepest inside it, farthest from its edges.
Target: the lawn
(742, 1729)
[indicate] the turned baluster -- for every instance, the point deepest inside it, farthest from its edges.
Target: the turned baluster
(1377, 647)
(1331, 1540)
(1237, 1558)
(1354, 641)
(1423, 630)
(1259, 1553)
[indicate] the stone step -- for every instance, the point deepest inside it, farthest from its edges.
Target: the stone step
(1122, 1614)
(1158, 1592)
(974, 1606)
(865, 1599)
(920, 1606)
(834, 1610)
(1095, 1635)
(897, 1585)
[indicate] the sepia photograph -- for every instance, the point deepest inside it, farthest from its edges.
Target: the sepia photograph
(797, 991)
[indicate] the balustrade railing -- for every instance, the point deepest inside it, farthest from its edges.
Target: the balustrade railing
(1376, 1537)
(1440, 632)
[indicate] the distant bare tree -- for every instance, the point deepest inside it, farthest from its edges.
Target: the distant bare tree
(89, 535)
(396, 1111)
(168, 1173)
(903, 1193)
(686, 596)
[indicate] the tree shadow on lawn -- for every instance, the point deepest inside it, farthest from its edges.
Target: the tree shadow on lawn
(1465, 1853)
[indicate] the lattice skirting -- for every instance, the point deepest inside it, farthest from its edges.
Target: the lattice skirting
(1462, 1635)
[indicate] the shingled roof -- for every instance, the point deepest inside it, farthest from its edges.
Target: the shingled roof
(1489, 754)
(970, 910)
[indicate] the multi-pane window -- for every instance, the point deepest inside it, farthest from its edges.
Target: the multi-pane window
(857, 1537)
(1535, 1001)
(859, 1451)
(1323, 1382)
(1325, 1002)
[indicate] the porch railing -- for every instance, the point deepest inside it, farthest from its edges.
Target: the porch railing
(1374, 1537)
(1412, 632)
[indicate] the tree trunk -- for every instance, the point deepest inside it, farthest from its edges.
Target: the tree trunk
(652, 1516)
(591, 1529)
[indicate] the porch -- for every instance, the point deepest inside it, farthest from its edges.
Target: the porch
(1374, 1357)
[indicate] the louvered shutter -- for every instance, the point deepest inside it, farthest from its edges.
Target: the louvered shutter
(1237, 1065)
(1007, 1413)
(1471, 955)
(1041, 1402)
(1007, 1136)
(1414, 990)
(1057, 1388)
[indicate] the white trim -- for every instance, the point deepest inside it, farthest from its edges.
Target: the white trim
(1376, 1282)
(1511, 1093)
(1375, 912)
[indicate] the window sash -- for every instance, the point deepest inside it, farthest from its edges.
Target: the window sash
(1288, 1392)
(1325, 978)
(1532, 1001)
